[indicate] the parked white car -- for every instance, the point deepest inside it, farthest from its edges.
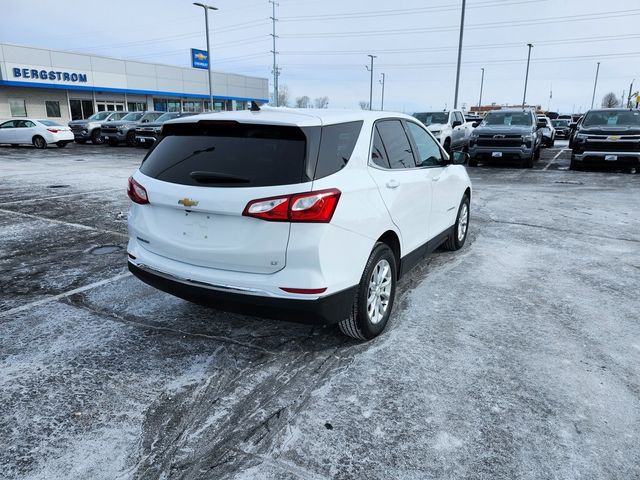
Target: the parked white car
(39, 133)
(449, 127)
(548, 131)
(301, 215)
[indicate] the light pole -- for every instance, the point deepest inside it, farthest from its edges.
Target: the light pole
(371, 82)
(455, 98)
(595, 85)
(382, 82)
(481, 85)
(526, 78)
(206, 26)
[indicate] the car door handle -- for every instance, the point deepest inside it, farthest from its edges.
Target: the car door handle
(393, 184)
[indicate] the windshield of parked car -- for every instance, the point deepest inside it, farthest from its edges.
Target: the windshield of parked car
(132, 117)
(99, 116)
(50, 123)
(612, 118)
(432, 117)
(507, 118)
(560, 123)
(150, 117)
(167, 116)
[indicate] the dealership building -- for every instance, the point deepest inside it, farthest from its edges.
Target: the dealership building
(65, 86)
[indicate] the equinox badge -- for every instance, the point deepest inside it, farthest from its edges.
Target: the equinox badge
(187, 202)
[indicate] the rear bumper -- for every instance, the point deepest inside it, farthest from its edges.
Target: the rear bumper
(320, 311)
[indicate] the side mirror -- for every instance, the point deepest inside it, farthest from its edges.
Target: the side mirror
(459, 158)
(573, 125)
(541, 125)
(475, 124)
(456, 123)
(145, 121)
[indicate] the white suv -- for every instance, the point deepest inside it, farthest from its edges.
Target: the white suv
(301, 215)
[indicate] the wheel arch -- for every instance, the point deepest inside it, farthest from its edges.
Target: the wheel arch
(391, 239)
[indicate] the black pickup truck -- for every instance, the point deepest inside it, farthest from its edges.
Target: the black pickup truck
(608, 136)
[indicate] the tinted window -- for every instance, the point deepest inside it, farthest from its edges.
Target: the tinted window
(228, 154)
(132, 117)
(508, 118)
(53, 108)
(432, 117)
(429, 154)
(49, 123)
(9, 124)
(458, 117)
(336, 146)
(150, 117)
(378, 153)
(99, 116)
(612, 118)
(396, 144)
(25, 124)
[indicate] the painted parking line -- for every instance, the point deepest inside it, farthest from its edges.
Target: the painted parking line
(62, 195)
(555, 158)
(65, 294)
(60, 222)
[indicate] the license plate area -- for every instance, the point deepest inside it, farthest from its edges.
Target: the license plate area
(195, 227)
(496, 154)
(611, 158)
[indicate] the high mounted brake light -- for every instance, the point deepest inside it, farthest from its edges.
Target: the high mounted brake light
(310, 207)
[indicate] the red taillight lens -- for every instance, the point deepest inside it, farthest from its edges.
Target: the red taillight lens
(137, 192)
(53, 130)
(306, 291)
(312, 207)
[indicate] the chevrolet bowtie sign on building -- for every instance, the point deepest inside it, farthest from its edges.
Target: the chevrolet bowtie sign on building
(199, 58)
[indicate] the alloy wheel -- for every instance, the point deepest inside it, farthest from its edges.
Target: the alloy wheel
(379, 292)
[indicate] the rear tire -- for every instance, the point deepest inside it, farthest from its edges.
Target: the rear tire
(96, 138)
(39, 142)
(573, 165)
(131, 139)
(461, 227)
(528, 163)
(536, 154)
(377, 286)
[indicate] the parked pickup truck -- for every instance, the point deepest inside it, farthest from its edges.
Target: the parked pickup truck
(449, 127)
(607, 137)
(148, 133)
(115, 133)
(89, 128)
(513, 135)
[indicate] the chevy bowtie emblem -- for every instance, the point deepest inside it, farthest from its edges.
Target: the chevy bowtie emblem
(498, 136)
(200, 56)
(187, 202)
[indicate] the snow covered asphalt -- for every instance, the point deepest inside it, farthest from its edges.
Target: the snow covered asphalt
(516, 358)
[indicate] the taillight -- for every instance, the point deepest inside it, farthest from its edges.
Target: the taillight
(137, 192)
(53, 130)
(311, 207)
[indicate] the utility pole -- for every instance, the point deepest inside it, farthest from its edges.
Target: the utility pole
(481, 85)
(382, 82)
(455, 98)
(630, 93)
(526, 78)
(276, 69)
(206, 26)
(595, 84)
(371, 82)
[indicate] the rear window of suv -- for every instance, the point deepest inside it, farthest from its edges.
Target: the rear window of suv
(232, 154)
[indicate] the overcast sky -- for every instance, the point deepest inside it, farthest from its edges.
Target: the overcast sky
(324, 44)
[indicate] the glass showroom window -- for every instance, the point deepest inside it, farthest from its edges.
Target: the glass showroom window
(137, 106)
(53, 109)
(192, 106)
(17, 107)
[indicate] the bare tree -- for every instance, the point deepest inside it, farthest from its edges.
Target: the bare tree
(363, 105)
(322, 102)
(283, 96)
(610, 100)
(303, 102)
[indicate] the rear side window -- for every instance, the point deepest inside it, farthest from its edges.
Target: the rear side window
(378, 153)
(396, 144)
(228, 154)
(336, 146)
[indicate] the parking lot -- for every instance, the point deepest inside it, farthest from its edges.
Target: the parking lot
(517, 357)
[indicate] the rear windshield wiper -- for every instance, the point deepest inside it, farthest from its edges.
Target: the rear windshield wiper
(214, 177)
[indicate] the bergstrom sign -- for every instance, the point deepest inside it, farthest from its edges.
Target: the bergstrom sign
(35, 74)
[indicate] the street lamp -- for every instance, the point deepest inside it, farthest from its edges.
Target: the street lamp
(371, 83)
(595, 84)
(455, 98)
(481, 85)
(206, 26)
(526, 78)
(382, 82)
